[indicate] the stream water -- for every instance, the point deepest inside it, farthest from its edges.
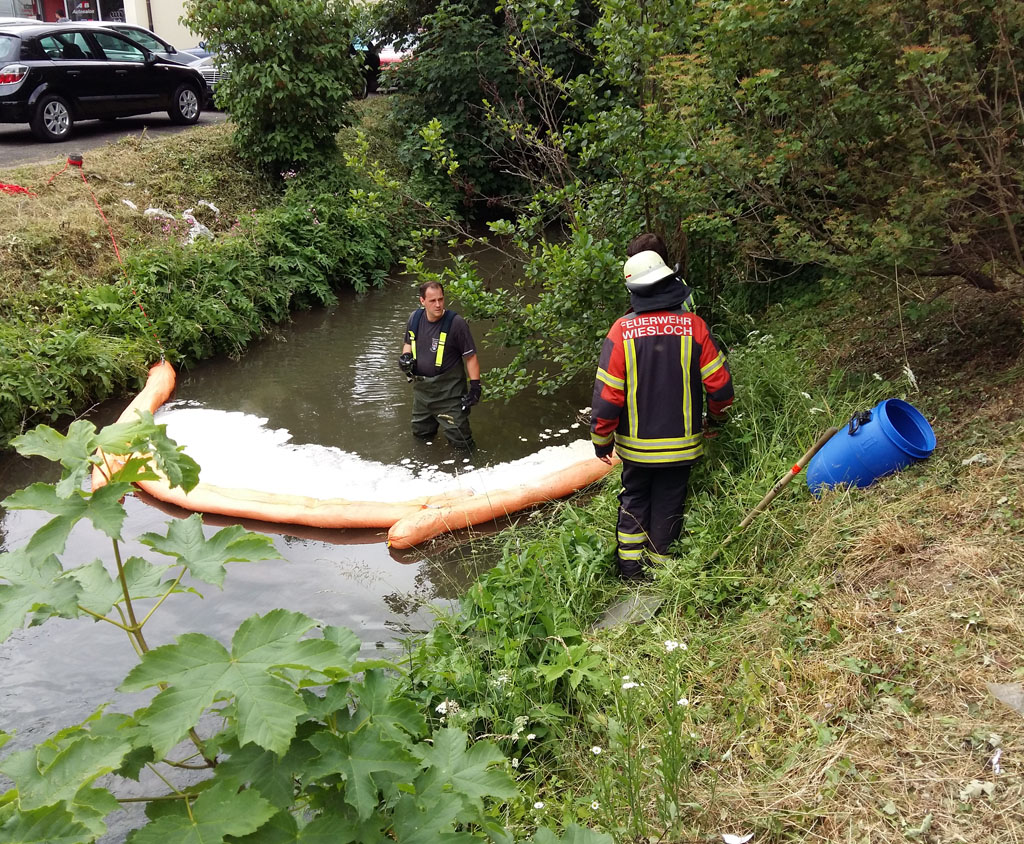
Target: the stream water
(323, 394)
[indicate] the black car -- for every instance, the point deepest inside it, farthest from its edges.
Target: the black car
(145, 38)
(54, 74)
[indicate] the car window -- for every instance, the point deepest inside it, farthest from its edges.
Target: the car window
(67, 46)
(118, 49)
(9, 45)
(144, 38)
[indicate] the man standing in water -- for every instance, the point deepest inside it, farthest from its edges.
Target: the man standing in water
(648, 404)
(437, 355)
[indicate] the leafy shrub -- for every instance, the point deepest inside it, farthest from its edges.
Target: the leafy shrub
(292, 73)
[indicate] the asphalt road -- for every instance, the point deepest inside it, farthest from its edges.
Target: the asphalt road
(18, 146)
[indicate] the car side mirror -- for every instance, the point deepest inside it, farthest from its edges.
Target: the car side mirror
(150, 57)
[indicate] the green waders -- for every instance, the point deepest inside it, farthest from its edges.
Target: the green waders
(438, 401)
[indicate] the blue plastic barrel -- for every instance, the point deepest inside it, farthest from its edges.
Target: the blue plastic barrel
(896, 435)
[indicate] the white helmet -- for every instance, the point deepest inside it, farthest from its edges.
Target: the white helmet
(644, 270)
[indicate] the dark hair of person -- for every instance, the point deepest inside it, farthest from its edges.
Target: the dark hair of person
(647, 242)
(427, 285)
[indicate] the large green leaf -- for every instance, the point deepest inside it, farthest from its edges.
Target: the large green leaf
(339, 828)
(198, 670)
(271, 775)
(103, 508)
(397, 716)
(100, 590)
(91, 806)
(49, 825)
(206, 558)
(33, 586)
(143, 435)
(417, 823)
(280, 829)
(218, 812)
(44, 777)
(335, 699)
(74, 452)
(367, 760)
(466, 773)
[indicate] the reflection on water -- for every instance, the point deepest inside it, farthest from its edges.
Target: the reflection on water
(329, 382)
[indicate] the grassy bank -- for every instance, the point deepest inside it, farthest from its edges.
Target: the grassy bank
(824, 679)
(77, 327)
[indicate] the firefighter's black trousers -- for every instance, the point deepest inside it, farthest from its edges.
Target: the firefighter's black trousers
(650, 513)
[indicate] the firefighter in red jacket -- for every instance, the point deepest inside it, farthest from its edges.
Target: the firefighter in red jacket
(656, 364)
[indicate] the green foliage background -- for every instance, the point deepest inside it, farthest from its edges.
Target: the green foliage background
(772, 145)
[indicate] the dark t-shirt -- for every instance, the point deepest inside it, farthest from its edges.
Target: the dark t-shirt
(457, 345)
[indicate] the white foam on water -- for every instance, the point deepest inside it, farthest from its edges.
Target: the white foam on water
(238, 450)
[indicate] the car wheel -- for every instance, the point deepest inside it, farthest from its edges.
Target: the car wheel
(52, 120)
(185, 105)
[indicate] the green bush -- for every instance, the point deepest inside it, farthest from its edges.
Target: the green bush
(292, 72)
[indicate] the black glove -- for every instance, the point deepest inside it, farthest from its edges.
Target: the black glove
(713, 426)
(472, 397)
(407, 364)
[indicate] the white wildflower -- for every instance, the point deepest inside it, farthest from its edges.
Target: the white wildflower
(876, 376)
(531, 737)
(515, 762)
(595, 750)
(447, 707)
(629, 685)
(539, 804)
(806, 395)
(683, 702)
(595, 805)
(625, 676)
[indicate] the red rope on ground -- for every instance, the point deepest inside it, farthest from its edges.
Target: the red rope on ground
(15, 189)
(55, 175)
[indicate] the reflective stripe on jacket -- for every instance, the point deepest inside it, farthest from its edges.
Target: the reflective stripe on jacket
(649, 391)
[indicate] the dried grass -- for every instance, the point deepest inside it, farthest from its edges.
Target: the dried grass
(854, 707)
(58, 235)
